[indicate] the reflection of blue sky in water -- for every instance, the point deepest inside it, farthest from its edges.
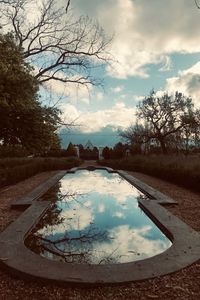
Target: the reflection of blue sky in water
(102, 222)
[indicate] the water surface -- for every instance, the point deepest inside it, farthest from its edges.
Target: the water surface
(95, 219)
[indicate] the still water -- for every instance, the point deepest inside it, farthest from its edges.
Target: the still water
(95, 219)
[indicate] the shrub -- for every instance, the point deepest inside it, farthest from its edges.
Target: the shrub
(184, 171)
(16, 169)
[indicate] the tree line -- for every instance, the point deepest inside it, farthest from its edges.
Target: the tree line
(117, 152)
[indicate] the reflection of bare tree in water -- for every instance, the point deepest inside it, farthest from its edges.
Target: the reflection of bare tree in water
(77, 249)
(81, 246)
(69, 249)
(56, 195)
(52, 217)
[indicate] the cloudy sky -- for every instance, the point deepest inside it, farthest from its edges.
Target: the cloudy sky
(156, 45)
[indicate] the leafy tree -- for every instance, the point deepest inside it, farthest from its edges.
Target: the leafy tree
(63, 47)
(23, 121)
(41, 135)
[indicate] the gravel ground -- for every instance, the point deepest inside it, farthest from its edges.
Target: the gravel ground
(183, 285)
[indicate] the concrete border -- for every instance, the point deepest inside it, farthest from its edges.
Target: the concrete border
(27, 200)
(146, 189)
(19, 260)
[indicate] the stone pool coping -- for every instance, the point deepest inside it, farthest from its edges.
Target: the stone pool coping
(27, 200)
(19, 260)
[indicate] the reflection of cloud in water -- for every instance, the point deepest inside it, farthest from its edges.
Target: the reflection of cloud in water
(128, 244)
(119, 214)
(101, 208)
(109, 184)
(88, 203)
(77, 218)
(125, 244)
(114, 232)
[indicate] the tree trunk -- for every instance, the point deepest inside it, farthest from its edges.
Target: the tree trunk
(163, 146)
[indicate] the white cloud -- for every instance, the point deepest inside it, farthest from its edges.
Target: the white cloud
(138, 98)
(167, 64)
(117, 116)
(99, 96)
(72, 92)
(77, 218)
(69, 113)
(195, 69)
(187, 82)
(101, 208)
(117, 89)
(119, 215)
(146, 32)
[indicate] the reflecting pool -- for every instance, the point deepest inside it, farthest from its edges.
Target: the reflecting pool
(94, 218)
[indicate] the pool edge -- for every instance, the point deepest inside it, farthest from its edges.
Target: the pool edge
(16, 258)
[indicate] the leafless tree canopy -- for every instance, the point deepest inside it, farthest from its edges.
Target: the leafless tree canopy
(164, 119)
(60, 47)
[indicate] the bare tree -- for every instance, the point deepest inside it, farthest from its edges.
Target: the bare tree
(59, 46)
(161, 118)
(136, 133)
(166, 115)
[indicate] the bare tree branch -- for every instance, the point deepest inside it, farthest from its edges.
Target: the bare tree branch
(63, 48)
(67, 7)
(197, 5)
(160, 119)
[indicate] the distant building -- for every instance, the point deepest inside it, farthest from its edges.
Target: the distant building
(100, 152)
(89, 145)
(77, 151)
(127, 152)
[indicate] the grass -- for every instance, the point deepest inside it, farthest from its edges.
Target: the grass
(13, 170)
(184, 171)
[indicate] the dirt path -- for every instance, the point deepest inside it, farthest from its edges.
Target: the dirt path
(182, 285)
(188, 208)
(89, 163)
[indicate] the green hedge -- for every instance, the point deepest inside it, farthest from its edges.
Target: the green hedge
(15, 169)
(184, 171)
